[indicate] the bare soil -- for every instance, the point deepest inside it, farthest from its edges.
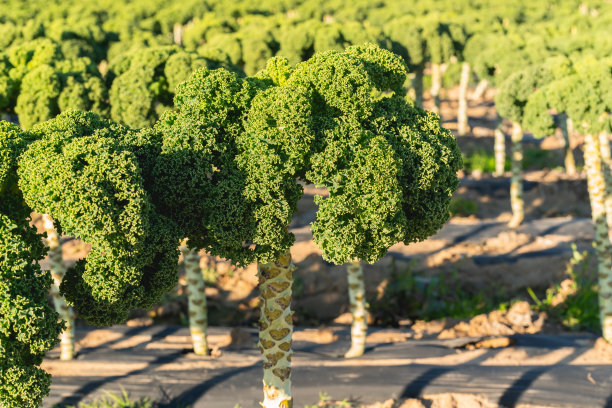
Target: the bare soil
(446, 400)
(419, 367)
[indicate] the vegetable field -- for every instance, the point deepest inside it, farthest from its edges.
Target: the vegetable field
(283, 203)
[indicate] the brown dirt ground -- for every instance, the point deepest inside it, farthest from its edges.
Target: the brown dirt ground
(234, 348)
(447, 400)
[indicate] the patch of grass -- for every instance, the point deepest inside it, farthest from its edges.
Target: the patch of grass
(410, 295)
(426, 82)
(210, 275)
(298, 286)
(538, 159)
(482, 160)
(112, 400)
(452, 75)
(533, 159)
(573, 302)
(462, 207)
(305, 316)
(325, 401)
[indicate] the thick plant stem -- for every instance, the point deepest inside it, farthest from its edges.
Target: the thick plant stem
(596, 186)
(480, 90)
(177, 34)
(462, 118)
(417, 85)
(604, 143)
(275, 331)
(565, 124)
(499, 149)
(606, 157)
(359, 326)
(516, 182)
(58, 270)
(196, 299)
(436, 85)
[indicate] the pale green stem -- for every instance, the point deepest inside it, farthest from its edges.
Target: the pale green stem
(516, 182)
(480, 90)
(196, 299)
(417, 85)
(499, 149)
(359, 326)
(596, 186)
(58, 271)
(177, 34)
(436, 86)
(275, 330)
(604, 144)
(462, 118)
(565, 124)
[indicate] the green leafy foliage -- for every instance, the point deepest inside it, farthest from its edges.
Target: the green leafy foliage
(536, 116)
(515, 91)
(91, 183)
(29, 327)
(146, 81)
(225, 48)
(198, 184)
(503, 54)
(258, 45)
(13, 141)
(300, 40)
(462, 207)
(325, 401)
(579, 89)
(289, 123)
(8, 86)
(202, 29)
(412, 295)
(538, 159)
(40, 82)
(573, 302)
(296, 40)
(112, 400)
(587, 94)
(452, 75)
(481, 160)
(443, 38)
(407, 41)
(393, 184)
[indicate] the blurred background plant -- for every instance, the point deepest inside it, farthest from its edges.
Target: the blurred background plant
(573, 302)
(412, 295)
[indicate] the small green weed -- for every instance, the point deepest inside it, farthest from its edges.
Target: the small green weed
(538, 159)
(411, 295)
(325, 401)
(427, 82)
(483, 161)
(452, 75)
(298, 286)
(533, 158)
(210, 275)
(574, 301)
(112, 400)
(460, 206)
